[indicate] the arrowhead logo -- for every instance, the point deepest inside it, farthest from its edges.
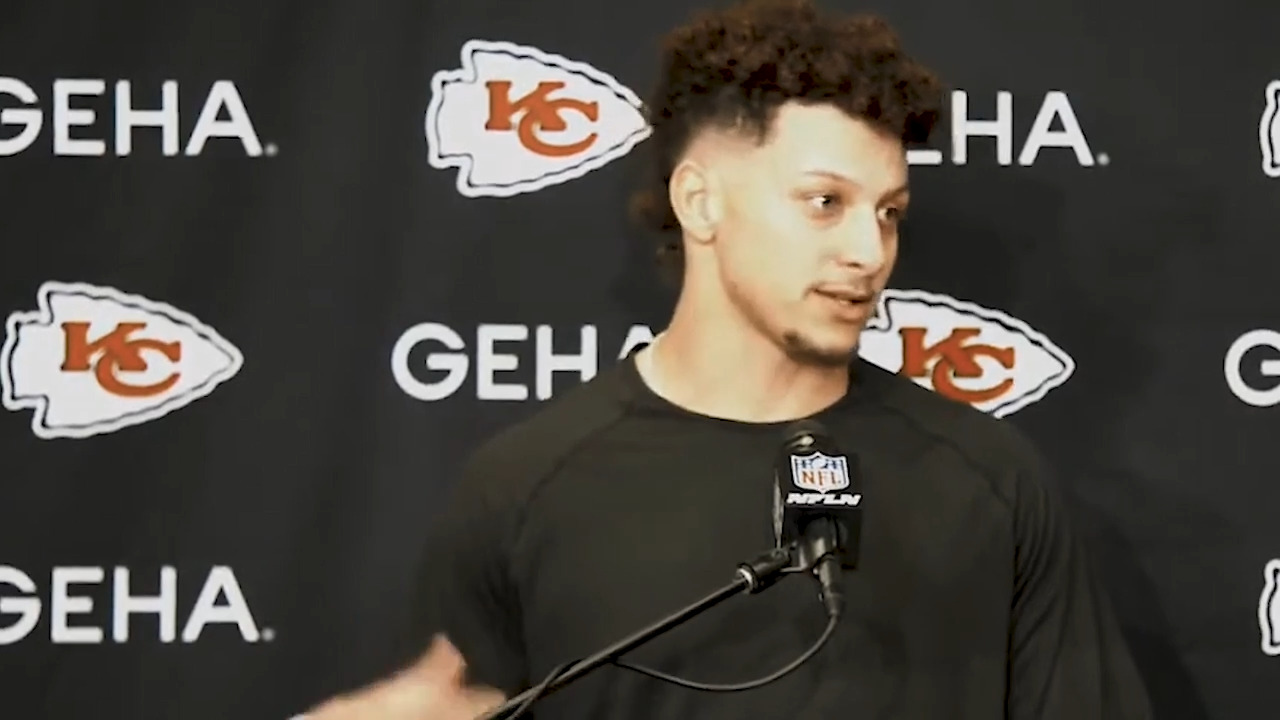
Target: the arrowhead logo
(93, 360)
(1269, 131)
(514, 119)
(1269, 608)
(961, 350)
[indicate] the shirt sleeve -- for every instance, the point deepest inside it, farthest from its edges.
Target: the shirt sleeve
(463, 584)
(1068, 658)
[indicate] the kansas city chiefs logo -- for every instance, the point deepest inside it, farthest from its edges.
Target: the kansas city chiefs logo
(963, 351)
(1269, 131)
(1269, 608)
(515, 119)
(93, 360)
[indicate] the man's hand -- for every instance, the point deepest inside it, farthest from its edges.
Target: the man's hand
(430, 689)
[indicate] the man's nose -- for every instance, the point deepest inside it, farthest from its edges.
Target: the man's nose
(861, 241)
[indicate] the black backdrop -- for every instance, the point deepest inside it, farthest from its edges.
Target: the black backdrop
(250, 339)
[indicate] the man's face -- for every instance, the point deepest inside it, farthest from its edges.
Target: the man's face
(809, 230)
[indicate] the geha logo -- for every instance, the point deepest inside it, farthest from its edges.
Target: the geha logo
(93, 360)
(1262, 388)
(1269, 130)
(1055, 109)
(961, 350)
(964, 351)
(500, 350)
(70, 114)
(515, 119)
(221, 601)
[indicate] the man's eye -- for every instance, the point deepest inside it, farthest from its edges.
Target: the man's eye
(824, 201)
(892, 214)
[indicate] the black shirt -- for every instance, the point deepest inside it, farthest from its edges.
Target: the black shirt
(611, 508)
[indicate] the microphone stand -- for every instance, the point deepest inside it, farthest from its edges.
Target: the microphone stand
(751, 578)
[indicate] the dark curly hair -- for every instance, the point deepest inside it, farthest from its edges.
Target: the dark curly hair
(734, 68)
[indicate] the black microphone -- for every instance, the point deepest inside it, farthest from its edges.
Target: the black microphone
(817, 507)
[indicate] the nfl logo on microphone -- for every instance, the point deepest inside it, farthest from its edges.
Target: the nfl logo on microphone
(819, 472)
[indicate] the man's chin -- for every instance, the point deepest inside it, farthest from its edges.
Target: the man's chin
(820, 352)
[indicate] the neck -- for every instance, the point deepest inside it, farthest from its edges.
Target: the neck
(728, 370)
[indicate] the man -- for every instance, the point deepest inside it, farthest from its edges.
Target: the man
(780, 136)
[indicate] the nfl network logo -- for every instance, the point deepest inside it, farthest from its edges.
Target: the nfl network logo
(819, 472)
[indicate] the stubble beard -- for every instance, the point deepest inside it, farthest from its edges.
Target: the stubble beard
(794, 344)
(803, 352)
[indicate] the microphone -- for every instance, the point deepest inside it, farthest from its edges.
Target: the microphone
(817, 507)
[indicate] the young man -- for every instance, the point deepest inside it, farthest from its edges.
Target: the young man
(779, 136)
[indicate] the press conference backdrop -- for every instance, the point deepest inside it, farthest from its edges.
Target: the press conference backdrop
(272, 269)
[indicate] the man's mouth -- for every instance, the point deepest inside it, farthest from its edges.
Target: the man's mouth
(846, 296)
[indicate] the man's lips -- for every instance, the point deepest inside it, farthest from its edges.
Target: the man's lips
(853, 296)
(851, 305)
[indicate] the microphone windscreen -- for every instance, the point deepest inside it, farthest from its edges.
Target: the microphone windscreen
(803, 433)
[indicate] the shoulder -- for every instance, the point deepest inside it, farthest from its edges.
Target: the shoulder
(996, 447)
(510, 465)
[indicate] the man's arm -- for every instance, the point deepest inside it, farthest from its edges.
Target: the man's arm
(463, 584)
(1068, 659)
(462, 594)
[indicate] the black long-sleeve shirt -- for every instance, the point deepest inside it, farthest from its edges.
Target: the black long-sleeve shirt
(612, 507)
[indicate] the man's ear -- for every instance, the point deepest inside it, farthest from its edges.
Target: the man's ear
(695, 199)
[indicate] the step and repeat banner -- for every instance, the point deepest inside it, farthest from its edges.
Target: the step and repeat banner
(271, 270)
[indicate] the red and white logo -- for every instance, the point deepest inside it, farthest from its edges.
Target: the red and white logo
(963, 351)
(820, 472)
(94, 360)
(515, 119)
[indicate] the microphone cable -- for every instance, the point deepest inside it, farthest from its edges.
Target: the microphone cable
(541, 688)
(738, 687)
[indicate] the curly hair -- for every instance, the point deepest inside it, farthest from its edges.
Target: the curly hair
(734, 68)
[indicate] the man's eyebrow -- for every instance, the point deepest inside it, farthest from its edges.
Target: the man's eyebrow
(903, 189)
